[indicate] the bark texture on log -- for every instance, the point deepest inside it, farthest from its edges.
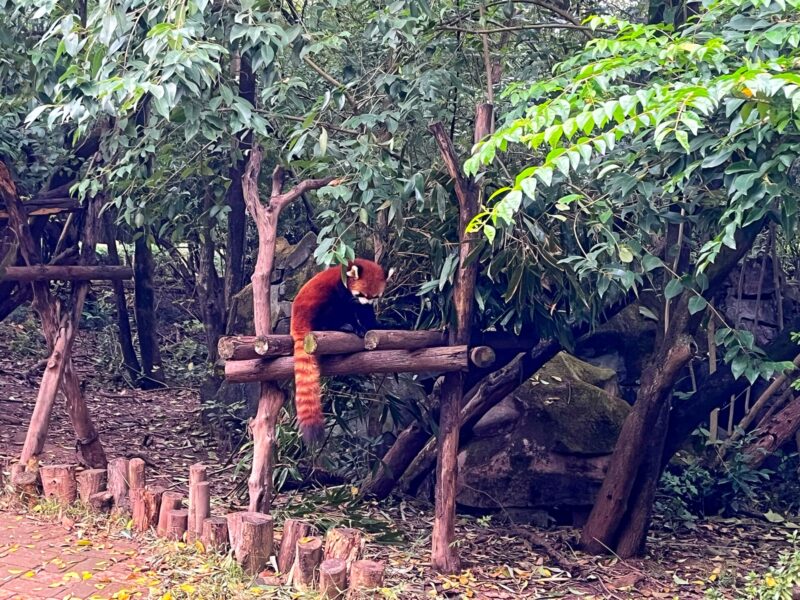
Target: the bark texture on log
(366, 577)
(332, 342)
(169, 501)
(344, 543)
(248, 347)
(235, 520)
(332, 579)
(403, 340)
(306, 563)
(136, 475)
(255, 544)
(202, 497)
(440, 359)
(118, 482)
(198, 473)
(778, 431)
(177, 521)
(91, 482)
(58, 481)
(101, 501)
(293, 530)
(145, 504)
(215, 534)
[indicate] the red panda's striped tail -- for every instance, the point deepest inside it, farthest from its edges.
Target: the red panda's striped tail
(308, 394)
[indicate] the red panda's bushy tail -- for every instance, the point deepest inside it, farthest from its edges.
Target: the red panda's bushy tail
(307, 394)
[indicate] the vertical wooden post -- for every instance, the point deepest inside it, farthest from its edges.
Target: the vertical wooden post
(332, 579)
(215, 534)
(255, 544)
(169, 501)
(444, 557)
(91, 482)
(58, 481)
(271, 398)
(177, 520)
(366, 576)
(198, 473)
(306, 563)
(118, 482)
(293, 530)
(59, 334)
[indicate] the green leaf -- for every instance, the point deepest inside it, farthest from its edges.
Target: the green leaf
(490, 232)
(323, 141)
(774, 517)
(625, 255)
(696, 304)
(673, 289)
(650, 263)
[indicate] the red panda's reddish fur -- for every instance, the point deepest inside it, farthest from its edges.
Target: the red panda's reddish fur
(324, 294)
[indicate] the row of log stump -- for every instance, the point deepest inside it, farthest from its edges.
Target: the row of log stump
(332, 566)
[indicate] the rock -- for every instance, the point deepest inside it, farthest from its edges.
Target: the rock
(545, 447)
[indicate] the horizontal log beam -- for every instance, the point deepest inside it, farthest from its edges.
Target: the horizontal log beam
(45, 206)
(248, 347)
(403, 340)
(66, 273)
(332, 342)
(439, 360)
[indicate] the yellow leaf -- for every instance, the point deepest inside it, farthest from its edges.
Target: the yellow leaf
(185, 587)
(83, 543)
(29, 574)
(86, 575)
(15, 571)
(200, 547)
(353, 491)
(122, 595)
(545, 572)
(166, 596)
(770, 581)
(70, 575)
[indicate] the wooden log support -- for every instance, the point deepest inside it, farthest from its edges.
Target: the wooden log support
(177, 521)
(332, 342)
(198, 473)
(255, 544)
(215, 534)
(403, 340)
(332, 579)
(26, 483)
(67, 273)
(366, 577)
(438, 360)
(118, 482)
(37, 207)
(344, 543)
(169, 501)
(145, 503)
(293, 530)
(58, 481)
(235, 535)
(202, 498)
(482, 356)
(136, 475)
(101, 501)
(306, 563)
(245, 347)
(90, 482)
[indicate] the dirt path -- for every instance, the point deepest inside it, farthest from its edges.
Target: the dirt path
(51, 560)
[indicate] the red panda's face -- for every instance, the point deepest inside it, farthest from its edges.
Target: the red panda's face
(366, 281)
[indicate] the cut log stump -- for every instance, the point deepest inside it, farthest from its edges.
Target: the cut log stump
(26, 483)
(366, 577)
(198, 473)
(118, 482)
(344, 543)
(90, 482)
(306, 563)
(255, 544)
(145, 504)
(215, 534)
(169, 501)
(136, 475)
(235, 532)
(332, 579)
(101, 501)
(293, 530)
(177, 521)
(58, 481)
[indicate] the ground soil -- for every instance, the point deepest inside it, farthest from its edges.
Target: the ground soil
(501, 559)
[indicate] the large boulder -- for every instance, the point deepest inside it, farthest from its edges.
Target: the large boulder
(547, 445)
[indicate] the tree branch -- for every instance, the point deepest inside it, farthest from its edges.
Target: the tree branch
(519, 28)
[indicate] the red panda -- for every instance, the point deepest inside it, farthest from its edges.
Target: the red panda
(327, 302)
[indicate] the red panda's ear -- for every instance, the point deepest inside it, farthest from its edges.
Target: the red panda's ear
(353, 272)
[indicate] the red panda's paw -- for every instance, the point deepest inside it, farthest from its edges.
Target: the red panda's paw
(312, 433)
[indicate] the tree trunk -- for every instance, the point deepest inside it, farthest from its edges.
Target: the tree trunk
(210, 288)
(234, 198)
(778, 431)
(444, 557)
(611, 509)
(124, 335)
(146, 321)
